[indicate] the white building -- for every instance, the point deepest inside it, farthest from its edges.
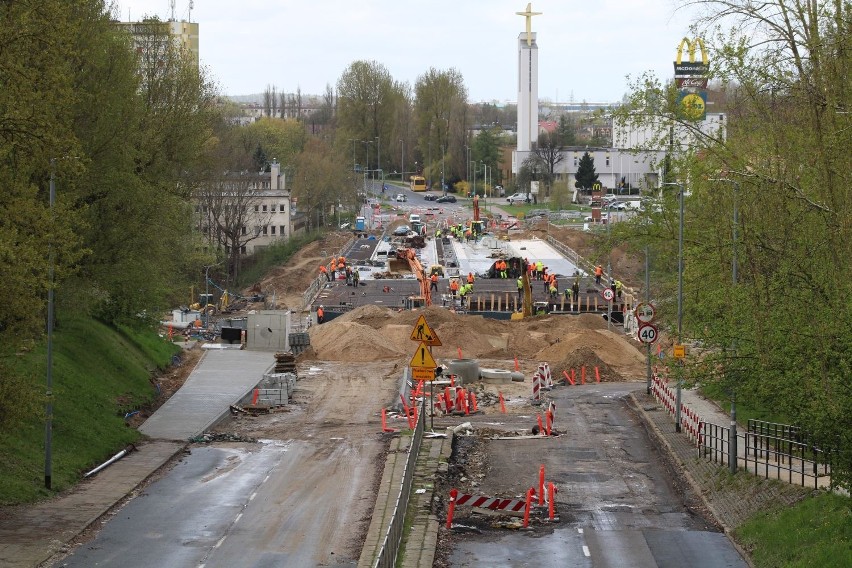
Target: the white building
(247, 210)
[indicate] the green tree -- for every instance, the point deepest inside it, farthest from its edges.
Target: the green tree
(367, 97)
(777, 337)
(549, 151)
(440, 107)
(586, 176)
(566, 132)
(322, 184)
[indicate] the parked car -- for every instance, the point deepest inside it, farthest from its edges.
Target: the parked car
(430, 197)
(400, 197)
(446, 199)
(519, 198)
(402, 230)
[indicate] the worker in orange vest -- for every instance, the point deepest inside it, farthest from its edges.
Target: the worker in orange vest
(320, 315)
(454, 287)
(324, 270)
(334, 269)
(433, 282)
(598, 274)
(470, 278)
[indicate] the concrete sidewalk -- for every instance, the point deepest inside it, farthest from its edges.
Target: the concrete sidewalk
(728, 504)
(220, 379)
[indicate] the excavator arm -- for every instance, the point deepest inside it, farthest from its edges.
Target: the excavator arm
(417, 268)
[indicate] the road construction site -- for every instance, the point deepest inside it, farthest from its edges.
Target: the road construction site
(313, 481)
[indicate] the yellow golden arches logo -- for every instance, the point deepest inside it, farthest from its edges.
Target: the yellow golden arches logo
(690, 46)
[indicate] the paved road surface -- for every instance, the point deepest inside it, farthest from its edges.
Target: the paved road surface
(615, 501)
(300, 497)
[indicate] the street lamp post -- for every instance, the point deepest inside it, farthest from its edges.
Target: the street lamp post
(379, 155)
(48, 428)
(402, 175)
(679, 299)
(443, 153)
(473, 172)
(732, 436)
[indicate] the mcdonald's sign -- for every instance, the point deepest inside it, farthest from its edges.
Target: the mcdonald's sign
(692, 67)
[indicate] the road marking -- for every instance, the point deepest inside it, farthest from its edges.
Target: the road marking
(238, 518)
(221, 540)
(586, 550)
(253, 495)
(266, 479)
(579, 530)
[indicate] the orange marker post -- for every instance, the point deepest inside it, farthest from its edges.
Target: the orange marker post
(597, 374)
(540, 425)
(548, 420)
(473, 401)
(502, 403)
(517, 365)
(452, 507)
(573, 376)
(530, 493)
(583, 375)
(254, 397)
(541, 485)
(460, 353)
(551, 497)
(569, 378)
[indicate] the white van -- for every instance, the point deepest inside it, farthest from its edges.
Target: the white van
(413, 218)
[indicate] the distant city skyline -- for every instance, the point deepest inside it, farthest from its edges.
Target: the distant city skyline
(585, 50)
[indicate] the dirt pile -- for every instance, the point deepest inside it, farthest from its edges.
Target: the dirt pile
(372, 333)
(290, 281)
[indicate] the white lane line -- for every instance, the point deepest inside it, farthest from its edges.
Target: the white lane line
(586, 550)
(221, 540)
(253, 495)
(265, 479)
(240, 516)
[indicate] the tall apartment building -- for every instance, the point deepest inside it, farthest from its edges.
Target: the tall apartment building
(183, 34)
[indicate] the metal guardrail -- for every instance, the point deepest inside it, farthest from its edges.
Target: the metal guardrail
(393, 538)
(320, 281)
(771, 451)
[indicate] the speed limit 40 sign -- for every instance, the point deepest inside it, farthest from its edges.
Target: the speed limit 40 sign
(648, 333)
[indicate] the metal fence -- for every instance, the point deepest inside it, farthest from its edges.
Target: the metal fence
(393, 538)
(777, 451)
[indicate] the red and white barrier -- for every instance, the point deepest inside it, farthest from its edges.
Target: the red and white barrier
(536, 387)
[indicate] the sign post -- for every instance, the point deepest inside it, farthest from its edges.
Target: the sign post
(422, 363)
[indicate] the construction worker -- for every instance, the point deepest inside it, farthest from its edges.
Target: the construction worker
(520, 289)
(598, 274)
(539, 269)
(470, 279)
(612, 286)
(619, 288)
(454, 287)
(552, 289)
(356, 277)
(320, 314)
(462, 293)
(503, 268)
(324, 271)
(433, 285)
(575, 291)
(438, 234)
(334, 269)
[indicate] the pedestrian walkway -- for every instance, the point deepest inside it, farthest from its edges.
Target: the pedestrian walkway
(221, 378)
(727, 502)
(31, 535)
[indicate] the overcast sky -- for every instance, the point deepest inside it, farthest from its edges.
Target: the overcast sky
(586, 49)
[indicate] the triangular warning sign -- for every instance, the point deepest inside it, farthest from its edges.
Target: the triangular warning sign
(422, 332)
(422, 358)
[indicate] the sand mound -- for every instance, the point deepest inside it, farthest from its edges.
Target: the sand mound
(350, 341)
(585, 357)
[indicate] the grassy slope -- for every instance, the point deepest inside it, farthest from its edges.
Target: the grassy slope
(99, 374)
(815, 533)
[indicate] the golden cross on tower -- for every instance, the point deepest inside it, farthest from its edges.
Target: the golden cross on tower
(529, 14)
